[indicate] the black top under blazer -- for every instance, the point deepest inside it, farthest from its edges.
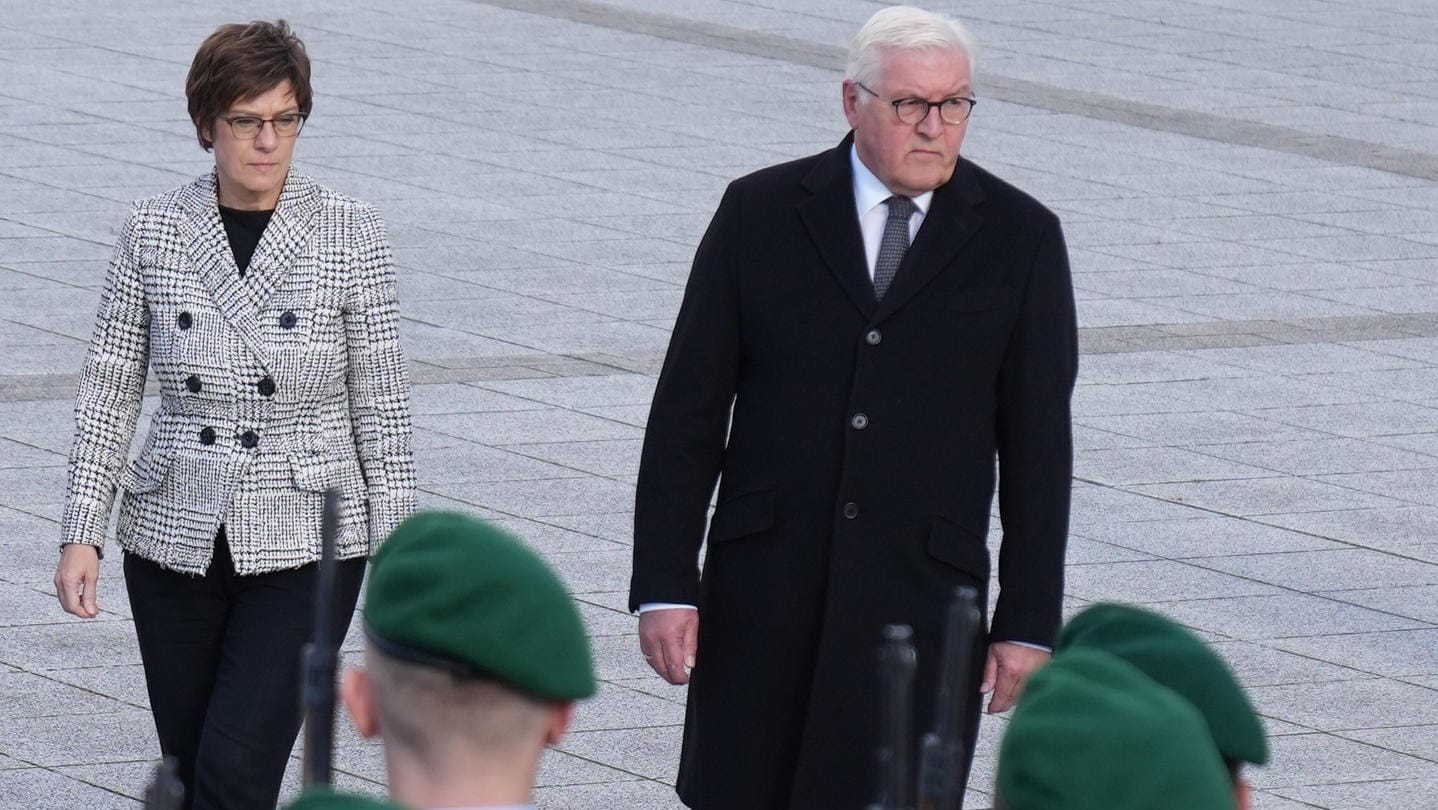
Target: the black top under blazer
(857, 473)
(273, 386)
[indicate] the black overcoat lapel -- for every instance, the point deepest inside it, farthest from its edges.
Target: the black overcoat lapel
(833, 224)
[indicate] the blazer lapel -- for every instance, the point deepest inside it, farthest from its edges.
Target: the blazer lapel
(953, 217)
(288, 232)
(208, 248)
(833, 224)
(209, 251)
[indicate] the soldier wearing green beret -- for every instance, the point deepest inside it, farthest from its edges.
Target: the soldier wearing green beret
(1092, 732)
(475, 659)
(1174, 657)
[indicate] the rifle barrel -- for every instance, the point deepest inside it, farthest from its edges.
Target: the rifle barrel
(896, 677)
(942, 750)
(319, 662)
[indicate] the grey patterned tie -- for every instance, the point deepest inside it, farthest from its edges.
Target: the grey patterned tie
(894, 243)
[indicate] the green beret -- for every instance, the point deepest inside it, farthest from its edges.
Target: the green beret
(1091, 732)
(324, 798)
(450, 591)
(1173, 656)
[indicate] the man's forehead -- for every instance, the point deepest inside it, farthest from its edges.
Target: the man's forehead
(925, 71)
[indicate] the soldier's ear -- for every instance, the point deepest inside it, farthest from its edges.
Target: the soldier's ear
(358, 695)
(560, 716)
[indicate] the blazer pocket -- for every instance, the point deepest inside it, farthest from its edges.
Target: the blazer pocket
(145, 474)
(958, 547)
(742, 515)
(313, 472)
(979, 300)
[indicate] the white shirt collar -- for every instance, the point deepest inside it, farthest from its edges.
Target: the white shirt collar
(870, 191)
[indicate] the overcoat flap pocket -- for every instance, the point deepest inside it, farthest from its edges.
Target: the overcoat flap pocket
(959, 547)
(977, 300)
(742, 515)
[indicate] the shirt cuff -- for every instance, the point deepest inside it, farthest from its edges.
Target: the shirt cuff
(648, 606)
(1019, 643)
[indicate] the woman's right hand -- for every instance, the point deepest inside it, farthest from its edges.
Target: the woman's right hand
(75, 579)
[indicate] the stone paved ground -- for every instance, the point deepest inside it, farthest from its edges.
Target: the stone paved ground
(1248, 190)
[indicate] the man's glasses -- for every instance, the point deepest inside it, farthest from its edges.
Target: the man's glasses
(952, 111)
(248, 127)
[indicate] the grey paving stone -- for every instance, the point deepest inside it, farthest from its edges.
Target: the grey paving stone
(618, 389)
(1408, 793)
(1392, 529)
(640, 794)
(1285, 616)
(1327, 569)
(465, 462)
(530, 426)
(1099, 504)
(1322, 456)
(1417, 602)
(1202, 535)
(439, 398)
(551, 539)
(1256, 664)
(1091, 552)
(1156, 465)
(26, 695)
(1391, 653)
(1412, 486)
(1186, 429)
(546, 498)
(1321, 759)
(618, 527)
(647, 752)
(120, 685)
(619, 457)
(1416, 740)
(1347, 705)
(36, 787)
(1268, 496)
(619, 708)
(1156, 581)
(124, 734)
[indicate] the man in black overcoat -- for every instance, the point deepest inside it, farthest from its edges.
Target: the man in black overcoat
(857, 398)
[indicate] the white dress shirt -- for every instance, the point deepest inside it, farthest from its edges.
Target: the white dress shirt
(869, 196)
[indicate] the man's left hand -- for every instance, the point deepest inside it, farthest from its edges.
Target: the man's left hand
(1008, 666)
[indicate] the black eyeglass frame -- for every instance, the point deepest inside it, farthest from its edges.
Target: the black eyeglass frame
(274, 122)
(914, 102)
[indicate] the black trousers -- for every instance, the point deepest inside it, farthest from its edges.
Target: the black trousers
(222, 666)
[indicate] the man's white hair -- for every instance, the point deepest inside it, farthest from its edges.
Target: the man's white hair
(904, 28)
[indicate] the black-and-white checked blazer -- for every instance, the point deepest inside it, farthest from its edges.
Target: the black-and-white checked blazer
(273, 386)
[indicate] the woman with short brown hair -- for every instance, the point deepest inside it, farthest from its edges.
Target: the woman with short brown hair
(265, 307)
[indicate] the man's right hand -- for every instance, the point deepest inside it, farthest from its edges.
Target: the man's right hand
(669, 639)
(75, 579)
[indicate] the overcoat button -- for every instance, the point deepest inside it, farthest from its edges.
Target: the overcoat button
(249, 440)
(859, 421)
(192, 382)
(183, 320)
(288, 320)
(267, 387)
(851, 510)
(207, 436)
(873, 337)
